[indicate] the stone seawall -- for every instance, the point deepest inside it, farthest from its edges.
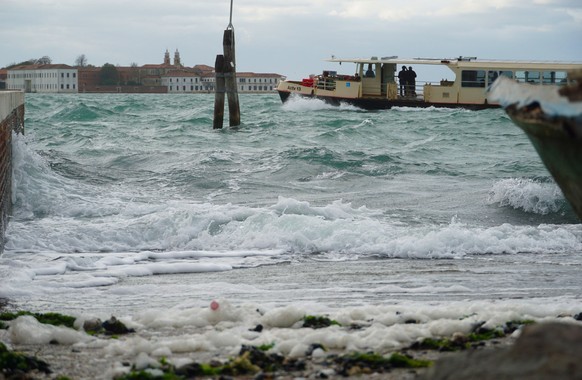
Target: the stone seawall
(11, 119)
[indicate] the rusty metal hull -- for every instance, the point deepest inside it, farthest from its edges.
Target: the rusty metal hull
(558, 141)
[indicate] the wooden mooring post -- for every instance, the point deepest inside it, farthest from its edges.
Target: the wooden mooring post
(230, 78)
(225, 69)
(219, 92)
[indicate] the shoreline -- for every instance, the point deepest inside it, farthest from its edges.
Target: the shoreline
(107, 356)
(87, 363)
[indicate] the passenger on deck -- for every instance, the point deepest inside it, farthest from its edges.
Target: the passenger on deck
(402, 79)
(411, 82)
(370, 73)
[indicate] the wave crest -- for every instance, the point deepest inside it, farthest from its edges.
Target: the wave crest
(528, 195)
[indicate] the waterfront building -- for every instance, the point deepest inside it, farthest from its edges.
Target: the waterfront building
(3, 75)
(185, 81)
(258, 82)
(127, 80)
(193, 81)
(43, 78)
(151, 74)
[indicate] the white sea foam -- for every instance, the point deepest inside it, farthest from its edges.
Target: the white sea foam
(349, 107)
(284, 324)
(300, 103)
(289, 230)
(27, 330)
(430, 109)
(204, 333)
(527, 194)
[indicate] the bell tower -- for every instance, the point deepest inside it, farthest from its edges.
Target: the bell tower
(177, 62)
(167, 58)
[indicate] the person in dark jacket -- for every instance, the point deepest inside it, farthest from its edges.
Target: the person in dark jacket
(402, 79)
(370, 72)
(411, 82)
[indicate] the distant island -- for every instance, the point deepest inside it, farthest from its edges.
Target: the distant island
(42, 76)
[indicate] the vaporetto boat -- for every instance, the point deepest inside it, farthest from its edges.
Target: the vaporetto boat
(376, 82)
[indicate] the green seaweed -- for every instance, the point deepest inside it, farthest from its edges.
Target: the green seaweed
(398, 360)
(360, 363)
(250, 361)
(484, 334)
(241, 365)
(439, 344)
(55, 319)
(369, 358)
(14, 362)
(209, 370)
(261, 359)
(266, 347)
(194, 370)
(168, 373)
(317, 322)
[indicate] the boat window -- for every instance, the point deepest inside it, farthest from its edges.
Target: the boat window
(528, 76)
(494, 74)
(473, 78)
(554, 77)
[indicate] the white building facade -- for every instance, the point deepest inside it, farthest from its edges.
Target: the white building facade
(182, 81)
(43, 78)
(257, 82)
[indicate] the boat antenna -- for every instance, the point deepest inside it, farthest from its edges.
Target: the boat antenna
(230, 26)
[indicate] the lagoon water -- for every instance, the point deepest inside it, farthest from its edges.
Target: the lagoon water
(132, 205)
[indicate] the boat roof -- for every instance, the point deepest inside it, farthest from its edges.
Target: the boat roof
(465, 62)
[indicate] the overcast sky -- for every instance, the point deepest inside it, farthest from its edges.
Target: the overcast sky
(292, 37)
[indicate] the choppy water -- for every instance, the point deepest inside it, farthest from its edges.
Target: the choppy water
(131, 202)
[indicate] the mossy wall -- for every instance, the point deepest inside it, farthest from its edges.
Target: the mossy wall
(11, 119)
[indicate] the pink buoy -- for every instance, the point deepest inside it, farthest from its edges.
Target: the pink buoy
(214, 305)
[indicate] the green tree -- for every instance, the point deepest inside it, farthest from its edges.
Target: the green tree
(108, 75)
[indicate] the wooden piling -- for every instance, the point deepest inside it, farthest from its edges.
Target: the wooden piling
(225, 69)
(230, 77)
(219, 92)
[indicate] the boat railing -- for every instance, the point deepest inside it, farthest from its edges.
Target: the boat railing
(413, 92)
(418, 91)
(326, 83)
